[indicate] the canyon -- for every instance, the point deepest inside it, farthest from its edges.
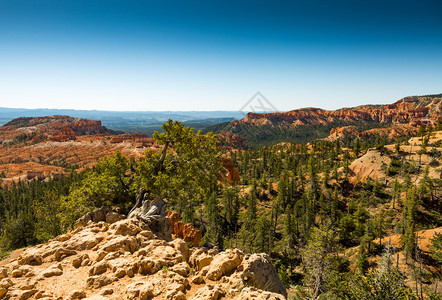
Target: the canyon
(53, 146)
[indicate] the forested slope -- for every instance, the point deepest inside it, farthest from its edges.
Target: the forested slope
(324, 221)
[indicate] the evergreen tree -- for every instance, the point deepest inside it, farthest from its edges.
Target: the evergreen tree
(320, 260)
(214, 230)
(409, 217)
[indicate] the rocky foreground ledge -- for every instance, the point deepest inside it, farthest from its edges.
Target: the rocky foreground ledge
(125, 259)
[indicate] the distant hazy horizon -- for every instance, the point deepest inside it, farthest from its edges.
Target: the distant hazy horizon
(332, 106)
(215, 55)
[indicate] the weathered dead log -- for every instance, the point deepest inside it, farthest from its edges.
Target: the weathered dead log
(152, 213)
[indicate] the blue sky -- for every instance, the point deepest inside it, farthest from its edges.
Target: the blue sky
(215, 55)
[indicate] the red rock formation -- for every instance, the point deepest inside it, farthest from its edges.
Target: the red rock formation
(185, 231)
(52, 128)
(410, 110)
(47, 144)
(228, 172)
(389, 132)
(230, 140)
(138, 138)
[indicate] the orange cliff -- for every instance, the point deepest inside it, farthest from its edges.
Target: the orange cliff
(53, 128)
(57, 143)
(409, 110)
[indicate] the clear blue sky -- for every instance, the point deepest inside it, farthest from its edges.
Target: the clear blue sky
(215, 55)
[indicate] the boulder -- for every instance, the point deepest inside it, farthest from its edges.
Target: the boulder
(161, 253)
(126, 227)
(6, 283)
(197, 279)
(98, 215)
(181, 246)
(120, 273)
(27, 284)
(3, 273)
(98, 281)
(100, 255)
(210, 292)
(31, 259)
(76, 294)
(80, 260)
(86, 239)
(259, 272)
(61, 253)
(21, 271)
(43, 295)
(63, 237)
(54, 270)
(125, 243)
(224, 263)
(99, 268)
(23, 294)
(106, 291)
(146, 266)
(181, 268)
(250, 293)
(199, 259)
(112, 217)
(172, 295)
(140, 291)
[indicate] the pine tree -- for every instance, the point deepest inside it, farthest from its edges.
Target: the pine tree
(357, 148)
(214, 230)
(362, 260)
(396, 192)
(320, 259)
(289, 227)
(231, 206)
(409, 217)
(262, 233)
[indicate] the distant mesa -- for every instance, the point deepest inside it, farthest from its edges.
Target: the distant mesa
(51, 128)
(409, 110)
(307, 124)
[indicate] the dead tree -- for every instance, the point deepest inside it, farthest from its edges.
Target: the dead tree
(152, 213)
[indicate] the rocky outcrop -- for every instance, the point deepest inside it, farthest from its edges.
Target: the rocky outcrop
(390, 132)
(229, 173)
(404, 111)
(187, 232)
(224, 263)
(127, 260)
(410, 111)
(58, 125)
(259, 273)
(230, 140)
